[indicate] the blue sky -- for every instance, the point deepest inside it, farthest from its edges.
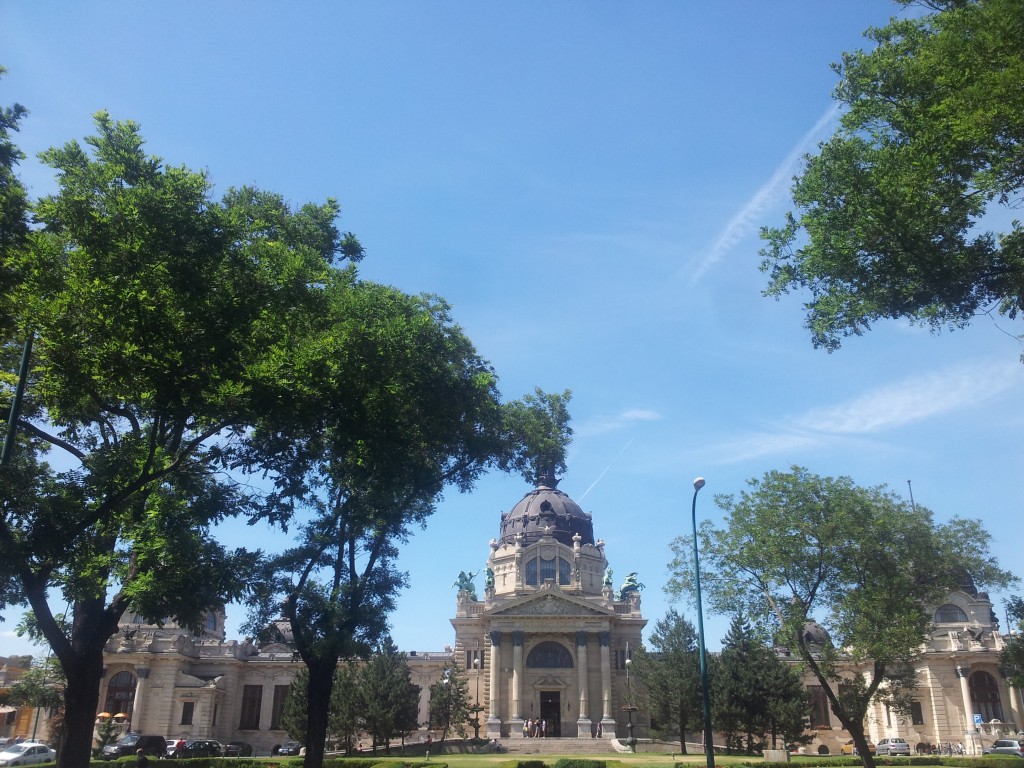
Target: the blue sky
(584, 182)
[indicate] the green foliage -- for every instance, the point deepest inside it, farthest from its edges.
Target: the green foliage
(449, 703)
(1011, 658)
(862, 562)
(42, 686)
(388, 696)
(539, 435)
(106, 734)
(579, 762)
(756, 693)
(669, 676)
(891, 214)
(163, 319)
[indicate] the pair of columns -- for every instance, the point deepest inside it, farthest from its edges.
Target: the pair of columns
(583, 721)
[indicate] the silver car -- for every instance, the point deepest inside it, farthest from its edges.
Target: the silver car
(1006, 747)
(893, 746)
(27, 753)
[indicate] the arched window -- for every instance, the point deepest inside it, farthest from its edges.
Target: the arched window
(539, 570)
(950, 614)
(120, 694)
(985, 696)
(549, 655)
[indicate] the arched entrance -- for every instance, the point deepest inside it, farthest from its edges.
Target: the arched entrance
(985, 697)
(120, 698)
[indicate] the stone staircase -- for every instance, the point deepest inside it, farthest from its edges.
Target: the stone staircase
(559, 746)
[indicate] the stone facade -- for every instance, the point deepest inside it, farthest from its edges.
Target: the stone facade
(962, 698)
(549, 640)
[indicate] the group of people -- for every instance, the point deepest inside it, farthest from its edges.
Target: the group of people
(535, 729)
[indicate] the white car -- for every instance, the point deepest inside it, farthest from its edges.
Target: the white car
(27, 753)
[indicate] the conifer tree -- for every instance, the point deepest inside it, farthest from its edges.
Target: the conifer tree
(669, 675)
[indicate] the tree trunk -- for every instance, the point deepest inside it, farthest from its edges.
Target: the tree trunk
(321, 683)
(81, 697)
(682, 735)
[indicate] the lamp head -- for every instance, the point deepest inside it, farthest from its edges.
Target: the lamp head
(698, 483)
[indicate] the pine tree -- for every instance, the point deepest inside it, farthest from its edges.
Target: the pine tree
(386, 687)
(669, 675)
(449, 704)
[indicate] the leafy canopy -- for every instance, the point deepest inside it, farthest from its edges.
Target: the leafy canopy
(863, 563)
(894, 216)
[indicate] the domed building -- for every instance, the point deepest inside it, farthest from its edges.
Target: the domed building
(550, 638)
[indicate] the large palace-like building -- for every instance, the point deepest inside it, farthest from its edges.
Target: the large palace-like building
(548, 640)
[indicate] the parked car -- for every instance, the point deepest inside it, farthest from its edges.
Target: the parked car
(201, 748)
(850, 749)
(1006, 747)
(289, 748)
(893, 746)
(130, 743)
(27, 753)
(237, 749)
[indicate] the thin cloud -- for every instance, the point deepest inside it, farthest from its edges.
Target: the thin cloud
(913, 399)
(750, 215)
(603, 425)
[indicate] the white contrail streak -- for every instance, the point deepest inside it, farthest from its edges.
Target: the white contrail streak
(748, 216)
(605, 470)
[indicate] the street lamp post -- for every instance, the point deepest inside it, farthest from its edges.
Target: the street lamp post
(630, 709)
(709, 747)
(476, 702)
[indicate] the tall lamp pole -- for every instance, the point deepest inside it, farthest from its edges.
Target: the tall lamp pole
(709, 747)
(630, 709)
(476, 703)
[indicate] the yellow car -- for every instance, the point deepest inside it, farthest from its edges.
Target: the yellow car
(849, 749)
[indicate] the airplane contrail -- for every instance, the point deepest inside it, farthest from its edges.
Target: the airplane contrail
(605, 470)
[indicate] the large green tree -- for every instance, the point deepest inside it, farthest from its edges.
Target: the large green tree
(164, 319)
(861, 562)
(905, 211)
(669, 675)
(394, 405)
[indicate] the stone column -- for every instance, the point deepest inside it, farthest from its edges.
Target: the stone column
(607, 721)
(965, 695)
(583, 721)
(267, 704)
(493, 719)
(517, 685)
(135, 721)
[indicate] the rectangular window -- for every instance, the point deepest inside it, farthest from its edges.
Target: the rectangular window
(916, 713)
(188, 709)
(473, 657)
(619, 658)
(280, 694)
(252, 697)
(819, 707)
(214, 719)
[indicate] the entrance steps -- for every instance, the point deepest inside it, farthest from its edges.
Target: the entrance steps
(558, 746)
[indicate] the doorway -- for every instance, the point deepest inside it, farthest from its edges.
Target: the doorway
(551, 711)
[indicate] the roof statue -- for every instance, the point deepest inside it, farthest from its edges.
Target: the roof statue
(629, 585)
(465, 583)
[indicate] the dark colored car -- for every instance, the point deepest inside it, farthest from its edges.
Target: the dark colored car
(237, 749)
(289, 748)
(130, 743)
(202, 748)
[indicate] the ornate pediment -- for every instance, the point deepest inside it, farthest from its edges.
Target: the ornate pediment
(550, 604)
